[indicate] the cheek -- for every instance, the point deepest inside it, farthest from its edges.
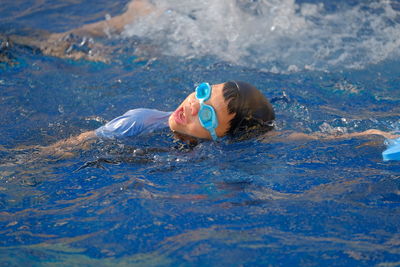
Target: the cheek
(223, 128)
(195, 129)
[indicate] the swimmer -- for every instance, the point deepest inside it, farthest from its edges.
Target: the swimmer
(210, 112)
(78, 43)
(233, 108)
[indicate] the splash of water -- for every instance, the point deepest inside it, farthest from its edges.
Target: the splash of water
(278, 36)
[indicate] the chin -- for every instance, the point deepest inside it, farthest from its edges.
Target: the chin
(172, 123)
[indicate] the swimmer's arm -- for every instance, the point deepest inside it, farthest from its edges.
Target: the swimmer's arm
(80, 139)
(386, 135)
(135, 9)
(64, 148)
(56, 44)
(320, 136)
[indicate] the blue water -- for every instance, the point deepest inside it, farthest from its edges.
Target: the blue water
(152, 201)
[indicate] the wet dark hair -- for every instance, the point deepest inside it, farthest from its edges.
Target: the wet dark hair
(251, 108)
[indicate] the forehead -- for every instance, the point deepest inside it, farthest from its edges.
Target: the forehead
(217, 99)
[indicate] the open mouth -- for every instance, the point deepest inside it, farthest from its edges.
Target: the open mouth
(179, 116)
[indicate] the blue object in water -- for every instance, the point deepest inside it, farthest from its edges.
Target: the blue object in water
(393, 150)
(207, 116)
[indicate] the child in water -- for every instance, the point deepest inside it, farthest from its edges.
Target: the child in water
(211, 112)
(232, 108)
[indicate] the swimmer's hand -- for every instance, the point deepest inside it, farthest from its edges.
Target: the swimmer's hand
(73, 46)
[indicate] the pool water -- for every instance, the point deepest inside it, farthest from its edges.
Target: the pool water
(152, 201)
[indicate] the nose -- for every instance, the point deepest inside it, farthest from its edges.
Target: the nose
(194, 107)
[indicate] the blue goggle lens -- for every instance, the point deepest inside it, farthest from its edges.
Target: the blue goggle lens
(203, 91)
(205, 114)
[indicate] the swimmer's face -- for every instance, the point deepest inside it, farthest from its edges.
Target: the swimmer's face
(185, 120)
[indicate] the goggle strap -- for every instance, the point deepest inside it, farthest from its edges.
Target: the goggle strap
(213, 134)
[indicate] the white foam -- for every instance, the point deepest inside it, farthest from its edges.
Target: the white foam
(279, 36)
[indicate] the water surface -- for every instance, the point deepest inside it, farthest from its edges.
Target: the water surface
(153, 201)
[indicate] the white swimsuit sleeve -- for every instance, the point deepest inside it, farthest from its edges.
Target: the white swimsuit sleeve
(133, 123)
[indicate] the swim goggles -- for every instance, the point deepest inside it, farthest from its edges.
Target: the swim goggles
(207, 116)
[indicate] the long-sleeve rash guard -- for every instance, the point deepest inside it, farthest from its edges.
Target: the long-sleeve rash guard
(134, 122)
